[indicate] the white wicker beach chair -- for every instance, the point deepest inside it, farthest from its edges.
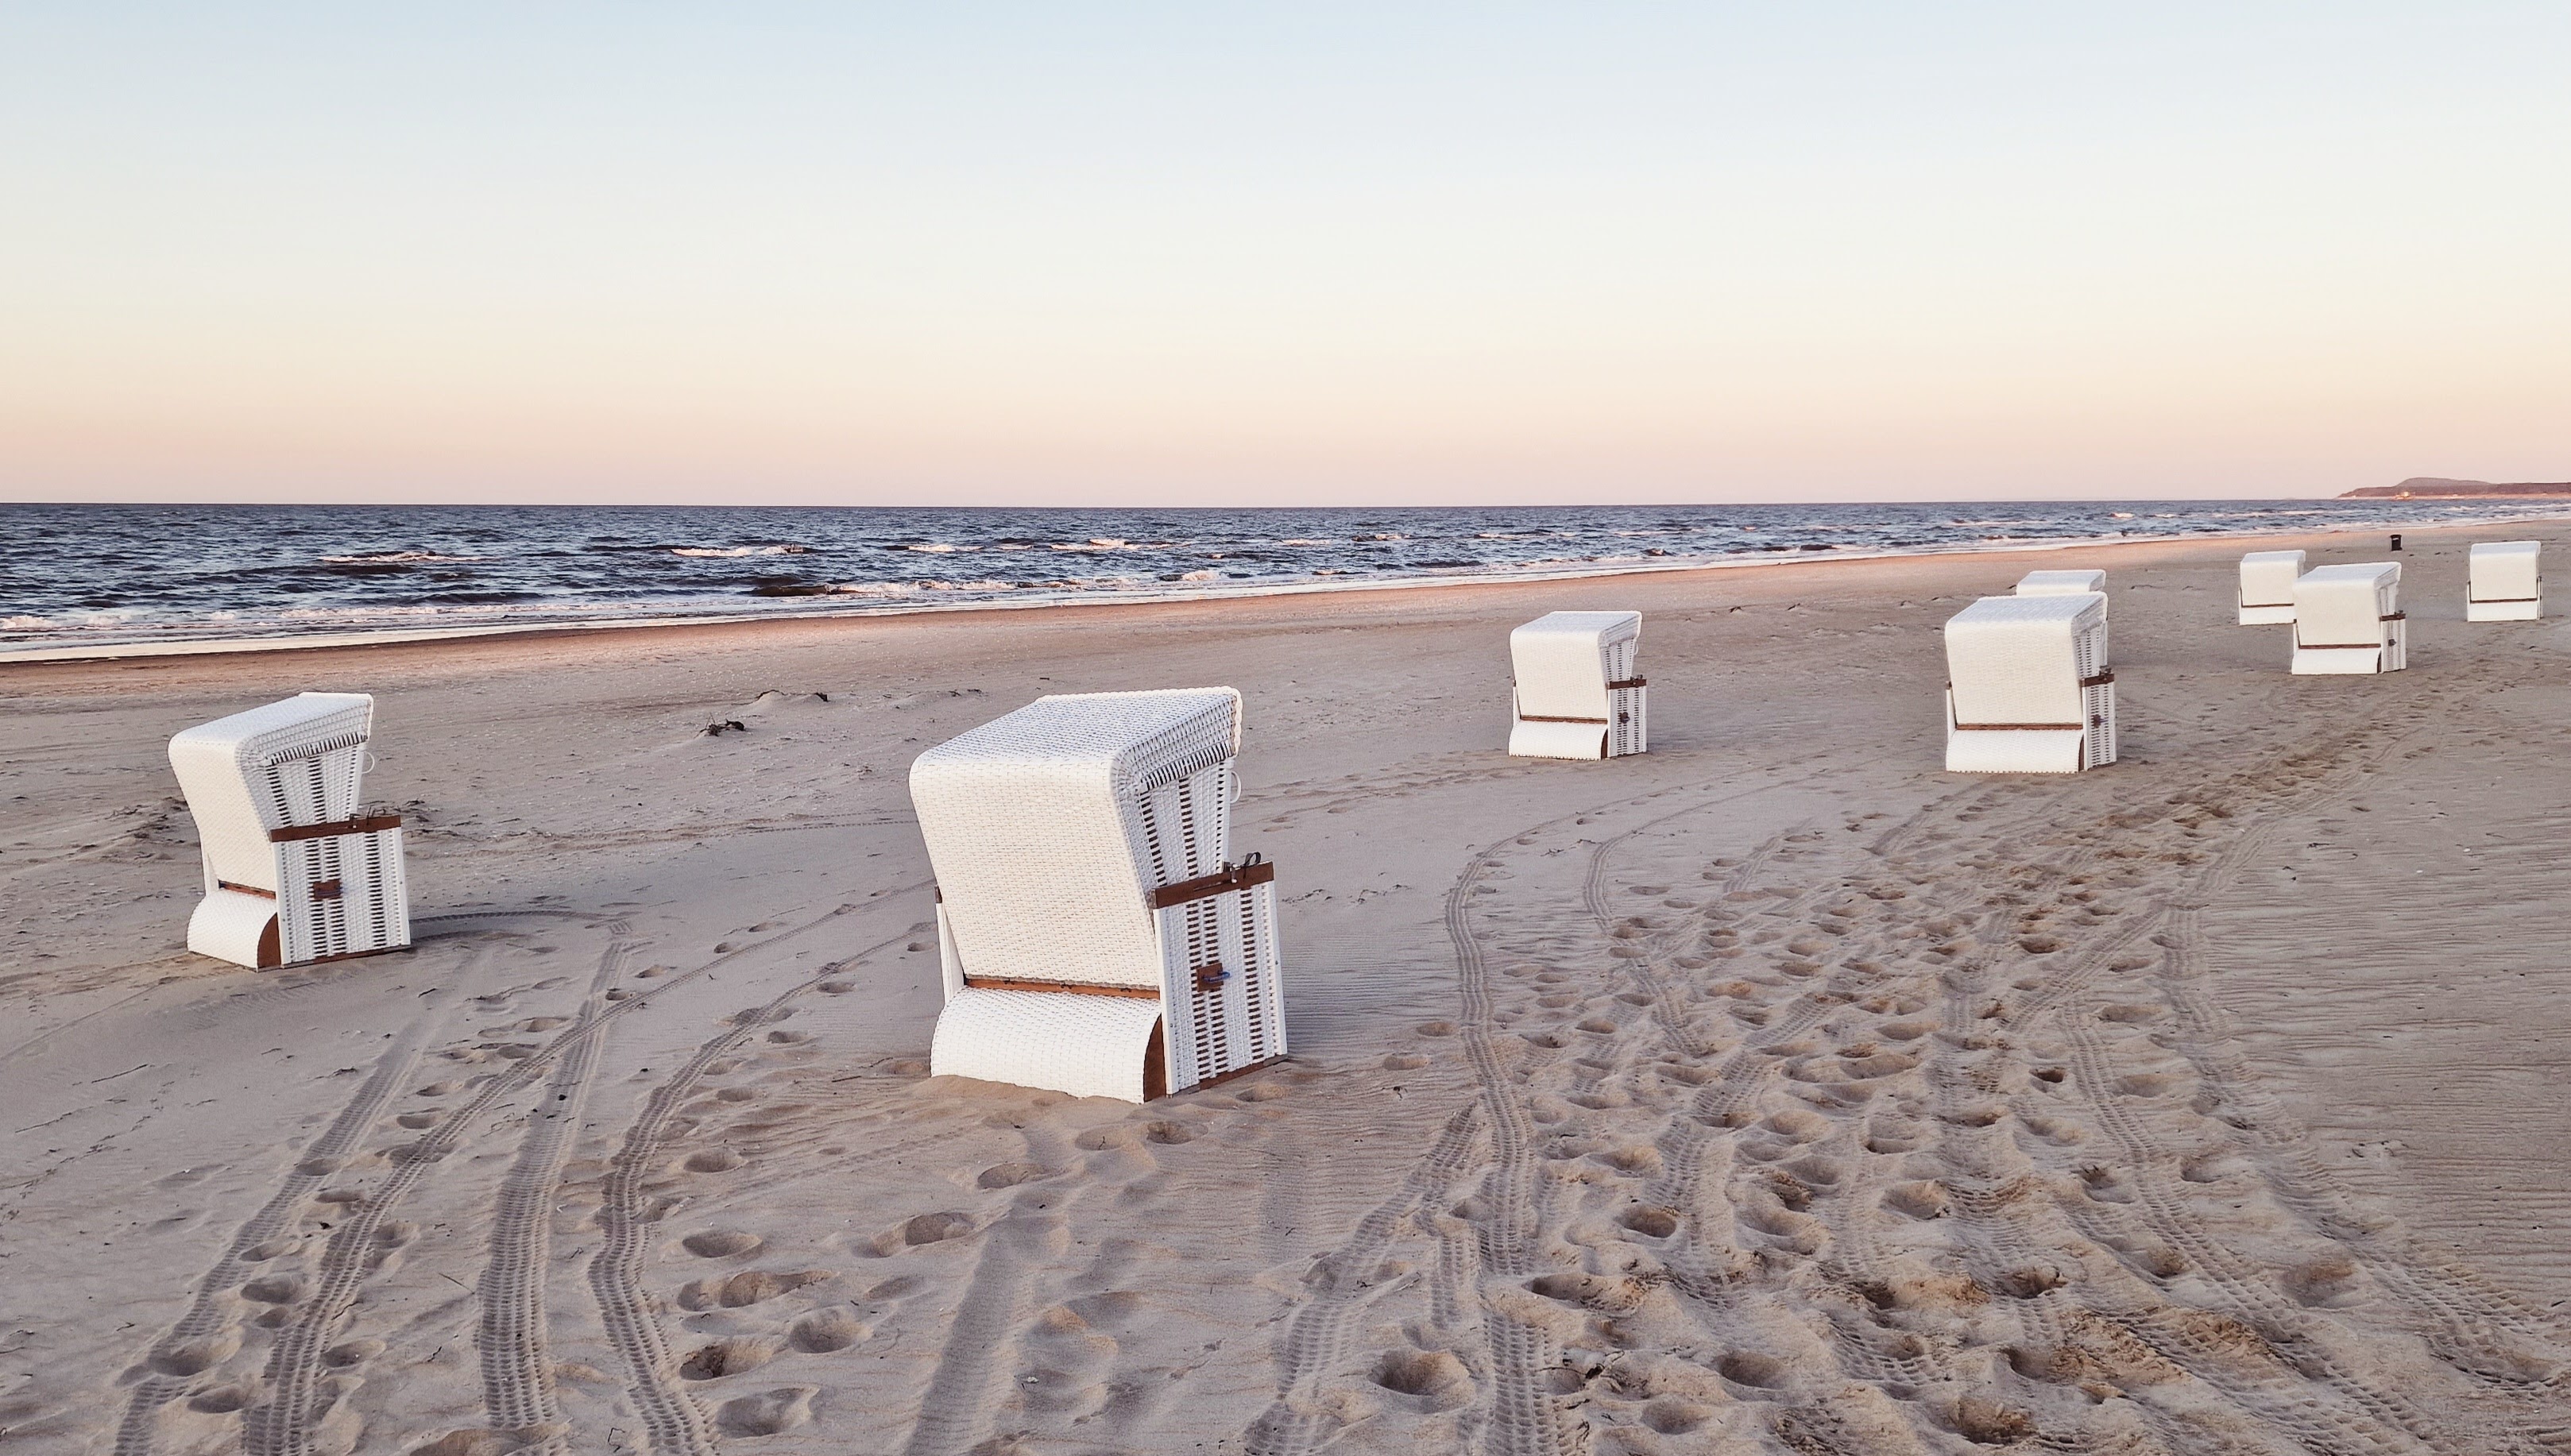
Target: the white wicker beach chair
(2268, 587)
(2028, 688)
(1577, 695)
(2348, 619)
(1094, 934)
(293, 873)
(2061, 583)
(2507, 582)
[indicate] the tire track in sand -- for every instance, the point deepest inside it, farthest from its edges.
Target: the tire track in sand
(1342, 1283)
(206, 1335)
(298, 1389)
(672, 1421)
(517, 1372)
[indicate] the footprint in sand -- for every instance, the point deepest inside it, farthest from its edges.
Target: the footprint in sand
(1010, 1175)
(1650, 1220)
(751, 1286)
(1433, 1381)
(825, 1330)
(350, 1353)
(194, 1356)
(275, 1289)
(768, 1413)
(726, 1358)
(919, 1232)
(221, 1401)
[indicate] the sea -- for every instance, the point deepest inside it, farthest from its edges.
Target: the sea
(79, 576)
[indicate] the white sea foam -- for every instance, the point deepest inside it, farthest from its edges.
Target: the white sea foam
(729, 551)
(397, 557)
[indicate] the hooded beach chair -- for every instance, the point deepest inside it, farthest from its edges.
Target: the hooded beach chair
(1094, 935)
(2268, 587)
(2348, 619)
(2507, 585)
(1577, 695)
(2028, 688)
(2061, 583)
(293, 873)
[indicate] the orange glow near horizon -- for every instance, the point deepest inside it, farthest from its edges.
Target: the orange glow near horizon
(1346, 259)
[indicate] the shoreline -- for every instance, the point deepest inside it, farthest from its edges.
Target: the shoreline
(220, 647)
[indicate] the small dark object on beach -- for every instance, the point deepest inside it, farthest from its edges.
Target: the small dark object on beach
(2396, 541)
(728, 725)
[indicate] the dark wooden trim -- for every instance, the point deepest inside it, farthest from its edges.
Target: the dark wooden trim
(1629, 682)
(368, 824)
(1535, 718)
(1155, 1064)
(2494, 600)
(1075, 988)
(225, 884)
(2399, 616)
(1206, 887)
(2101, 680)
(2015, 728)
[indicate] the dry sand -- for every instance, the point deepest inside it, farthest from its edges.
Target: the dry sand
(1772, 1092)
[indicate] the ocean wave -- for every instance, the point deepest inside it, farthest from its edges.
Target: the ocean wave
(396, 558)
(305, 570)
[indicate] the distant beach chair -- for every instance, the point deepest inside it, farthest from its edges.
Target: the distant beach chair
(1576, 693)
(1094, 935)
(2507, 583)
(2268, 587)
(2061, 583)
(292, 873)
(2028, 688)
(2348, 619)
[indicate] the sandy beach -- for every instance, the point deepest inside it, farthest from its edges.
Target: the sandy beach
(1773, 1090)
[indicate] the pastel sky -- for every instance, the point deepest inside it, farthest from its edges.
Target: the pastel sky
(1303, 252)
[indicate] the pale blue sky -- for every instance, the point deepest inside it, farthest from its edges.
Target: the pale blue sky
(1131, 254)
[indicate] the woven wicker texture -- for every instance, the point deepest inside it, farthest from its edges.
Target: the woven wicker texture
(232, 926)
(2268, 587)
(2019, 659)
(299, 762)
(2018, 697)
(296, 761)
(1240, 1020)
(1046, 833)
(1088, 1046)
(1048, 829)
(2060, 583)
(1565, 660)
(1557, 740)
(2017, 751)
(1629, 722)
(2507, 582)
(2344, 619)
(371, 910)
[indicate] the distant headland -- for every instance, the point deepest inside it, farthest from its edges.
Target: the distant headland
(2431, 487)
